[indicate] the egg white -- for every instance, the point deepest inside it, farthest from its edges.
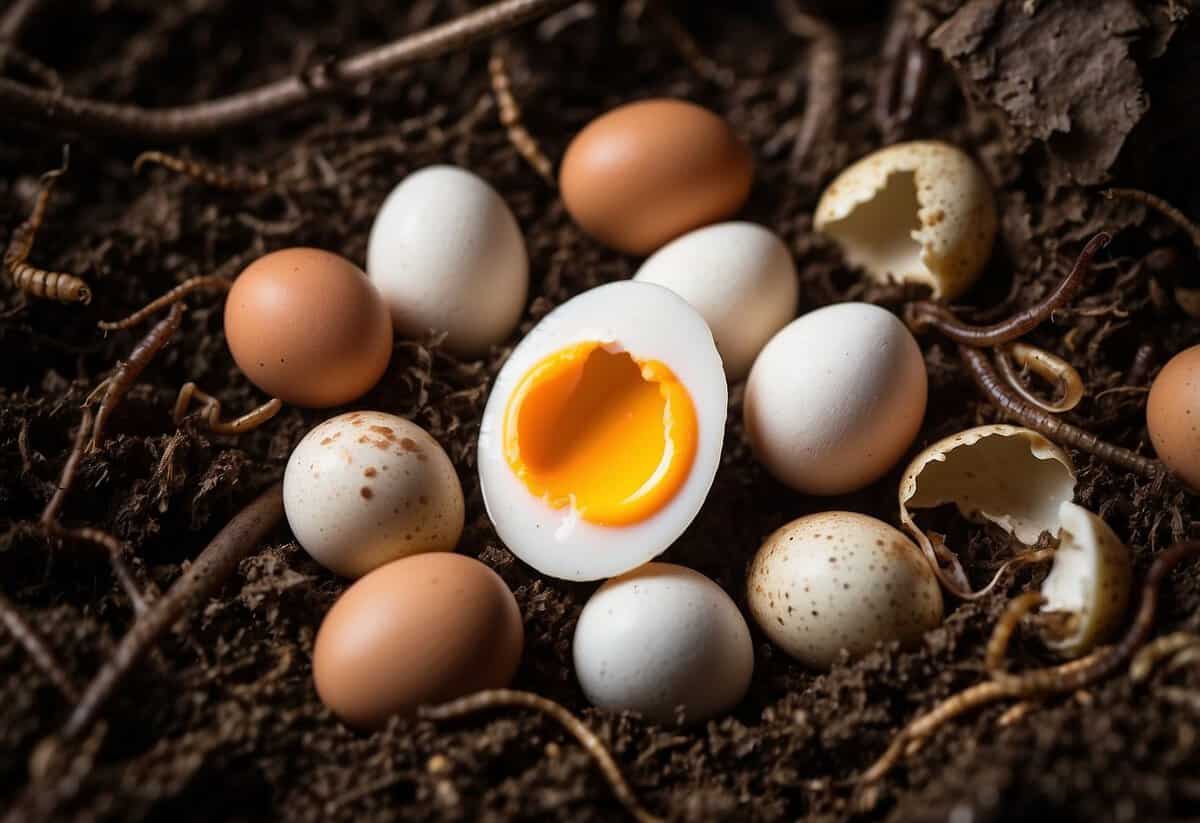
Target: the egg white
(649, 322)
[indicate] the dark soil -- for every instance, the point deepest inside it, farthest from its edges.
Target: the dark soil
(222, 722)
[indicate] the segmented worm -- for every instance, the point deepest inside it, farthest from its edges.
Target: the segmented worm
(204, 282)
(924, 314)
(997, 647)
(202, 173)
(1161, 206)
(980, 368)
(1061, 679)
(496, 698)
(36, 648)
(510, 115)
(127, 371)
(1049, 367)
(212, 411)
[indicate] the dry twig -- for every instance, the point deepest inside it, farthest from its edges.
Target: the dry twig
(687, 47)
(819, 123)
(36, 648)
(510, 115)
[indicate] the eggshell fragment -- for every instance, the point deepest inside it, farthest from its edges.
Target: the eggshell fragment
(365, 488)
(307, 326)
(920, 212)
(1173, 415)
(836, 398)
(739, 276)
(646, 172)
(1010, 476)
(424, 629)
(840, 580)
(659, 637)
(1090, 581)
(448, 256)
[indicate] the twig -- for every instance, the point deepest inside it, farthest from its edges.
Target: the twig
(997, 647)
(202, 578)
(925, 314)
(212, 411)
(1049, 367)
(1161, 206)
(980, 368)
(36, 648)
(224, 179)
(67, 478)
(1062, 679)
(126, 373)
(182, 123)
(116, 550)
(510, 115)
(496, 698)
(824, 79)
(14, 21)
(687, 47)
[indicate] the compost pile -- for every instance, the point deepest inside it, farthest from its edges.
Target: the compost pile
(221, 721)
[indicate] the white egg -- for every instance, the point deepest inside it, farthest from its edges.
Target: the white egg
(659, 637)
(366, 488)
(603, 432)
(840, 580)
(447, 255)
(836, 398)
(741, 279)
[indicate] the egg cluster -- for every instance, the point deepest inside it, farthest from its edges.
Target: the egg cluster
(605, 426)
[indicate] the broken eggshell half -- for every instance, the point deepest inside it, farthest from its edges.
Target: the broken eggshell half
(1007, 475)
(918, 212)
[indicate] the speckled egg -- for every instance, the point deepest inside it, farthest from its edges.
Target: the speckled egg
(365, 488)
(840, 580)
(1173, 415)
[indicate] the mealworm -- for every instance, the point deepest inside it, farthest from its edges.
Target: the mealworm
(510, 115)
(924, 314)
(997, 647)
(1168, 645)
(228, 180)
(980, 368)
(1050, 367)
(1062, 679)
(36, 648)
(495, 698)
(211, 408)
(1159, 205)
(127, 371)
(215, 282)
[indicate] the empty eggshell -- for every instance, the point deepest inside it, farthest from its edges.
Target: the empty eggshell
(920, 212)
(660, 637)
(840, 580)
(424, 629)
(646, 172)
(739, 276)
(366, 488)
(448, 256)
(1173, 415)
(1010, 476)
(1090, 582)
(836, 398)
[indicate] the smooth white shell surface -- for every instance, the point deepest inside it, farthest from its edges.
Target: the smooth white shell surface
(650, 323)
(365, 488)
(448, 256)
(840, 580)
(920, 211)
(836, 398)
(663, 636)
(739, 276)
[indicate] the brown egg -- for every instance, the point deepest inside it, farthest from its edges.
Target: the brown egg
(1173, 415)
(647, 172)
(308, 327)
(424, 629)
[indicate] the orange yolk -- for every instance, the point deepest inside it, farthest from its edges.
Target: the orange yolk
(611, 436)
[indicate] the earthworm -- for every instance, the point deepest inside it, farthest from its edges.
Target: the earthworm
(182, 123)
(1061, 679)
(31, 280)
(199, 581)
(1049, 367)
(824, 78)
(1159, 205)
(127, 371)
(1162, 648)
(997, 647)
(36, 648)
(682, 41)
(208, 175)
(212, 411)
(1012, 406)
(494, 698)
(510, 115)
(67, 478)
(925, 314)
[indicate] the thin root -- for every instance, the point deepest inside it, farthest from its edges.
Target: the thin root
(1062, 679)
(67, 478)
(510, 115)
(205, 282)
(1050, 367)
(212, 411)
(820, 119)
(1161, 206)
(495, 698)
(227, 180)
(997, 647)
(682, 41)
(1167, 646)
(904, 79)
(116, 550)
(36, 648)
